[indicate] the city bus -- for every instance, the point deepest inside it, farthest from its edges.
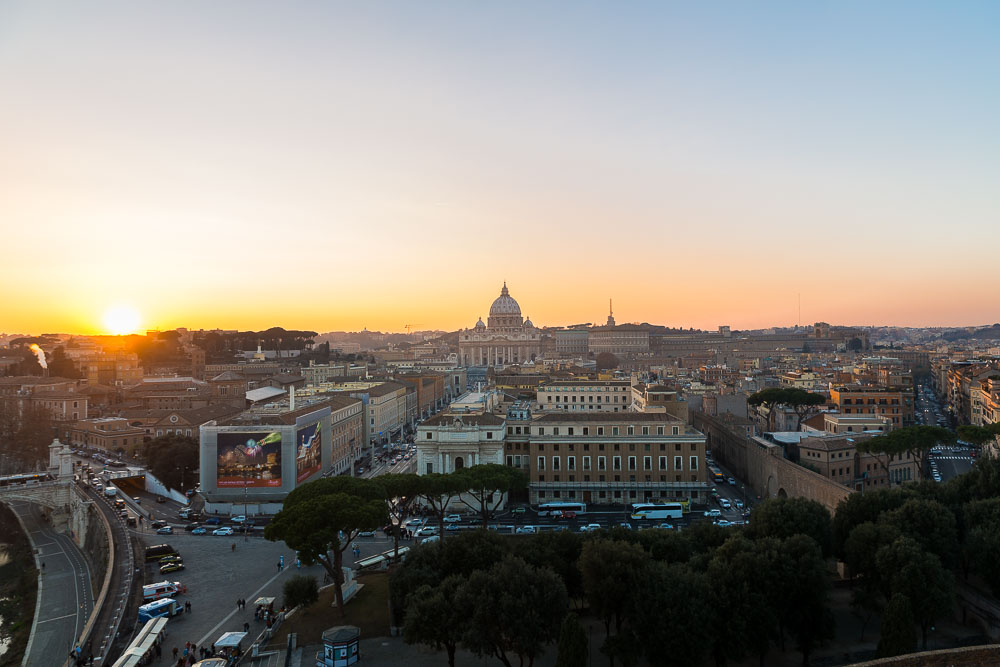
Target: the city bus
(553, 509)
(657, 511)
(717, 476)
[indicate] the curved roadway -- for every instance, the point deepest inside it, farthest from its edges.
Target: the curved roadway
(65, 599)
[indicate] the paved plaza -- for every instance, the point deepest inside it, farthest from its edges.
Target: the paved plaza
(216, 576)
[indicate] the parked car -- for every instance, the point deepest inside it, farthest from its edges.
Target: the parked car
(199, 531)
(166, 530)
(171, 567)
(225, 531)
(170, 559)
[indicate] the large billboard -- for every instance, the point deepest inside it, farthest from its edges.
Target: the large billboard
(308, 451)
(249, 459)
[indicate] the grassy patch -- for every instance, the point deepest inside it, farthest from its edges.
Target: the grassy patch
(369, 610)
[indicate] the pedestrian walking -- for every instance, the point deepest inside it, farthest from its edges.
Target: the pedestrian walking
(175, 654)
(234, 546)
(239, 603)
(298, 564)
(246, 627)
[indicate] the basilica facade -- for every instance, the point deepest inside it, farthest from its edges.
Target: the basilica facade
(506, 338)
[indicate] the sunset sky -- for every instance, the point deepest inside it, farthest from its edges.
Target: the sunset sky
(331, 166)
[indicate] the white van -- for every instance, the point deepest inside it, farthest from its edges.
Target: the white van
(164, 589)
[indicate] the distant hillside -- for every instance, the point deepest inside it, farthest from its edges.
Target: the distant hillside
(983, 333)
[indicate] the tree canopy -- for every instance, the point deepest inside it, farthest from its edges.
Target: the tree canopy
(915, 441)
(174, 460)
(803, 403)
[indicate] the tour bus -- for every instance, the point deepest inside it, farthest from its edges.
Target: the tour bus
(159, 551)
(658, 511)
(161, 607)
(554, 509)
(163, 589)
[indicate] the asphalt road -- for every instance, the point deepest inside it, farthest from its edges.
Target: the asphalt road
(65, 599)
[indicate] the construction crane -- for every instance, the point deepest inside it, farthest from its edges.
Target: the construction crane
(409, 328)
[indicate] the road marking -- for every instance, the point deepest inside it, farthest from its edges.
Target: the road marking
(253, 596)
(57, 618)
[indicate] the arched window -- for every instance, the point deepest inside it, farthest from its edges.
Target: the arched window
(459, 463)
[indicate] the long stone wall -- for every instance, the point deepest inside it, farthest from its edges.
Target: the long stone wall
(766, 471)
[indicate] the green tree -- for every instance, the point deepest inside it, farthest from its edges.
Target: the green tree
(173, 459)
(741, 577)
(860, 556)
(930, 524)
(673, 615)
(979, 435)
(487, 485)
(401, 494)
(300, 590)
(573, 645)
(439, 491)
(919, 575)
(784, 517)
(803, 594)
(898, 633)
(25, 435)
(912, 441)
(613, 573)
(855, 344)
(859, 508)
(62, 366)
(556, 549)
(433, 617)
(983, 544)
(321, 518)
(803, 403)
(512, 609)
(606, 361)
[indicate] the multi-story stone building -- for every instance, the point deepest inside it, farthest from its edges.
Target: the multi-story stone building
(114, 435)
(571, 343)
(621, 340)
(449, 442)
(609, 458)
(836, 457)
(347, 432)
(891, 402)
(506, 339)
(585, 395)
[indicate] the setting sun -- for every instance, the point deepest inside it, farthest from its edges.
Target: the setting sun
(121, 320)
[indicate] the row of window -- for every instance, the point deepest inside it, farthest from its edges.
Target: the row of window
(566, 399)
(617, 446)
(871, 401)
(615, 430)
(555, 463)
(632, 495)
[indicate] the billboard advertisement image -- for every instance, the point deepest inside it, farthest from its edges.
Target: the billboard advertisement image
(250, 459)
(308, 451)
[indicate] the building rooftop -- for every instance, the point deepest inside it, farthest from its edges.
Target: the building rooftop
(277, 412)
(485, 419)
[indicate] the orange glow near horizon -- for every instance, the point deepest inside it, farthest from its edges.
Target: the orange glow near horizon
(343, 166)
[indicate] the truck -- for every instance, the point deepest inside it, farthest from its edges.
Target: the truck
(165, 607)
(110, 491)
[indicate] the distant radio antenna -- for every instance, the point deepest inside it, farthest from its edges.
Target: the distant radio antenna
(799, 322)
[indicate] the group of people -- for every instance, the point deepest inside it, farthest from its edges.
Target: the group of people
(190, 654)
(79, 659)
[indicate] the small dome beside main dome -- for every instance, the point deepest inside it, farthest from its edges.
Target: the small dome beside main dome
(505, 304)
